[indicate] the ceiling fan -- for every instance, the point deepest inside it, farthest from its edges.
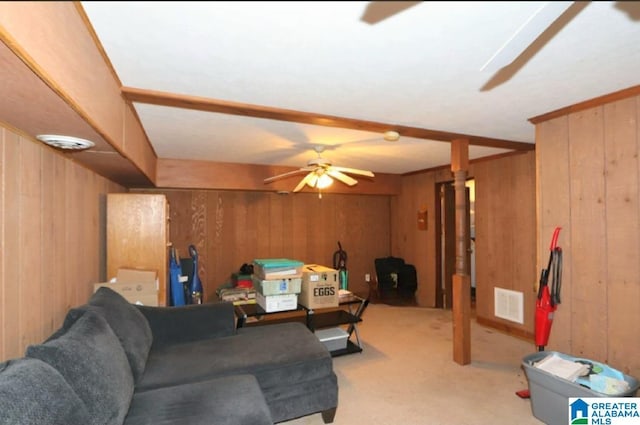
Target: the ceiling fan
(321, 172)
(529, 31)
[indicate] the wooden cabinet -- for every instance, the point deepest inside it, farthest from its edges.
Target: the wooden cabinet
(138, 236)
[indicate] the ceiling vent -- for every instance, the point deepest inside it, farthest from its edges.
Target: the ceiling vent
(65, 142)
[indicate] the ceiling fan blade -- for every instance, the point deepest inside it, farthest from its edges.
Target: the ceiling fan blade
(304, 181)
(353, 171)
(350, 181)
(526, 34)
(377, 11)
(289, 174)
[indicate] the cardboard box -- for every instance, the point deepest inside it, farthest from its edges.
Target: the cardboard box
(135, 293)
(138, 286)
(277, 268)
(273, 303)
(319, 287)
(277, 286)
(129, 275)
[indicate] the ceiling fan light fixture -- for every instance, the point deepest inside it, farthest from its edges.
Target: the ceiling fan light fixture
(320, 181)
(324, 181)
(391, 136)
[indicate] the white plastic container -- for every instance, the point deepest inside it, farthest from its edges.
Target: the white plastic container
(333, 338)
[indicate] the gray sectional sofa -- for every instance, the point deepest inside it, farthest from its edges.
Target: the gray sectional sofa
(112, 362)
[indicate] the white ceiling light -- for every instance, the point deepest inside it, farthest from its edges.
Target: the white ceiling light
(391, 136)
(65, 142)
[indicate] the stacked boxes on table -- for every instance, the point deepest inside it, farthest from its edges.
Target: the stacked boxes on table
(277, 282)
(319, 287)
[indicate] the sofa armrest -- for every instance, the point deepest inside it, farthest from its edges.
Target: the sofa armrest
(171, 325)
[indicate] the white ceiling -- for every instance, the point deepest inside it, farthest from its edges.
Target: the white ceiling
(418, 68)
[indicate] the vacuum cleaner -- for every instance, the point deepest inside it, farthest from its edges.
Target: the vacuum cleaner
(340, 264)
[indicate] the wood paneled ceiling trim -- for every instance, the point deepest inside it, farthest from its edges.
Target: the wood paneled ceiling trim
(257, 111)
(588, 104)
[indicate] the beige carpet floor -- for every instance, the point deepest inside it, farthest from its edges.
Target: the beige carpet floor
(406, 375)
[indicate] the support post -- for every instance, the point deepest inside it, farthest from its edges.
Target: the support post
(461, 279)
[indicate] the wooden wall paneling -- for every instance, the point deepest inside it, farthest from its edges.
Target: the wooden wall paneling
(321, 228)
(554, 210)
(622, 229)
(350, 236)
(423, 249)
(56, 258)
(29, 245)
(505, 236)
(11, 313)
(354, 229)
(376, 235)
(9, 266)
(259, 223)
(425, 260)
(3, 249)
(410, 193)
(303, 226)
(243, 247)
(231, 250)
(198, 221)
(215, 244)
(588, 231)
(486, 271)
(180, 226)
(276, 223)
(481, 244)
(72, 218)
(298, 236)
(288, 250)
(48, 236)
(525, 274)
(91, 235)
(493, 230)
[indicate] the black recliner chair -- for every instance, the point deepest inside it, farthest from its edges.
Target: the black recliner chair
(396, 276)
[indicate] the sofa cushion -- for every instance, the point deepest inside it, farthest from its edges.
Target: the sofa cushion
(278, 355)
(92, 361)
(130, 326)
(231, 400)
(34, 393)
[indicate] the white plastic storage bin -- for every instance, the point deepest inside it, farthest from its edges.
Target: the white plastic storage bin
(333, 338)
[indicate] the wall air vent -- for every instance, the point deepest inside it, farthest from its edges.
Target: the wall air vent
(509, 305)
(65, 142)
